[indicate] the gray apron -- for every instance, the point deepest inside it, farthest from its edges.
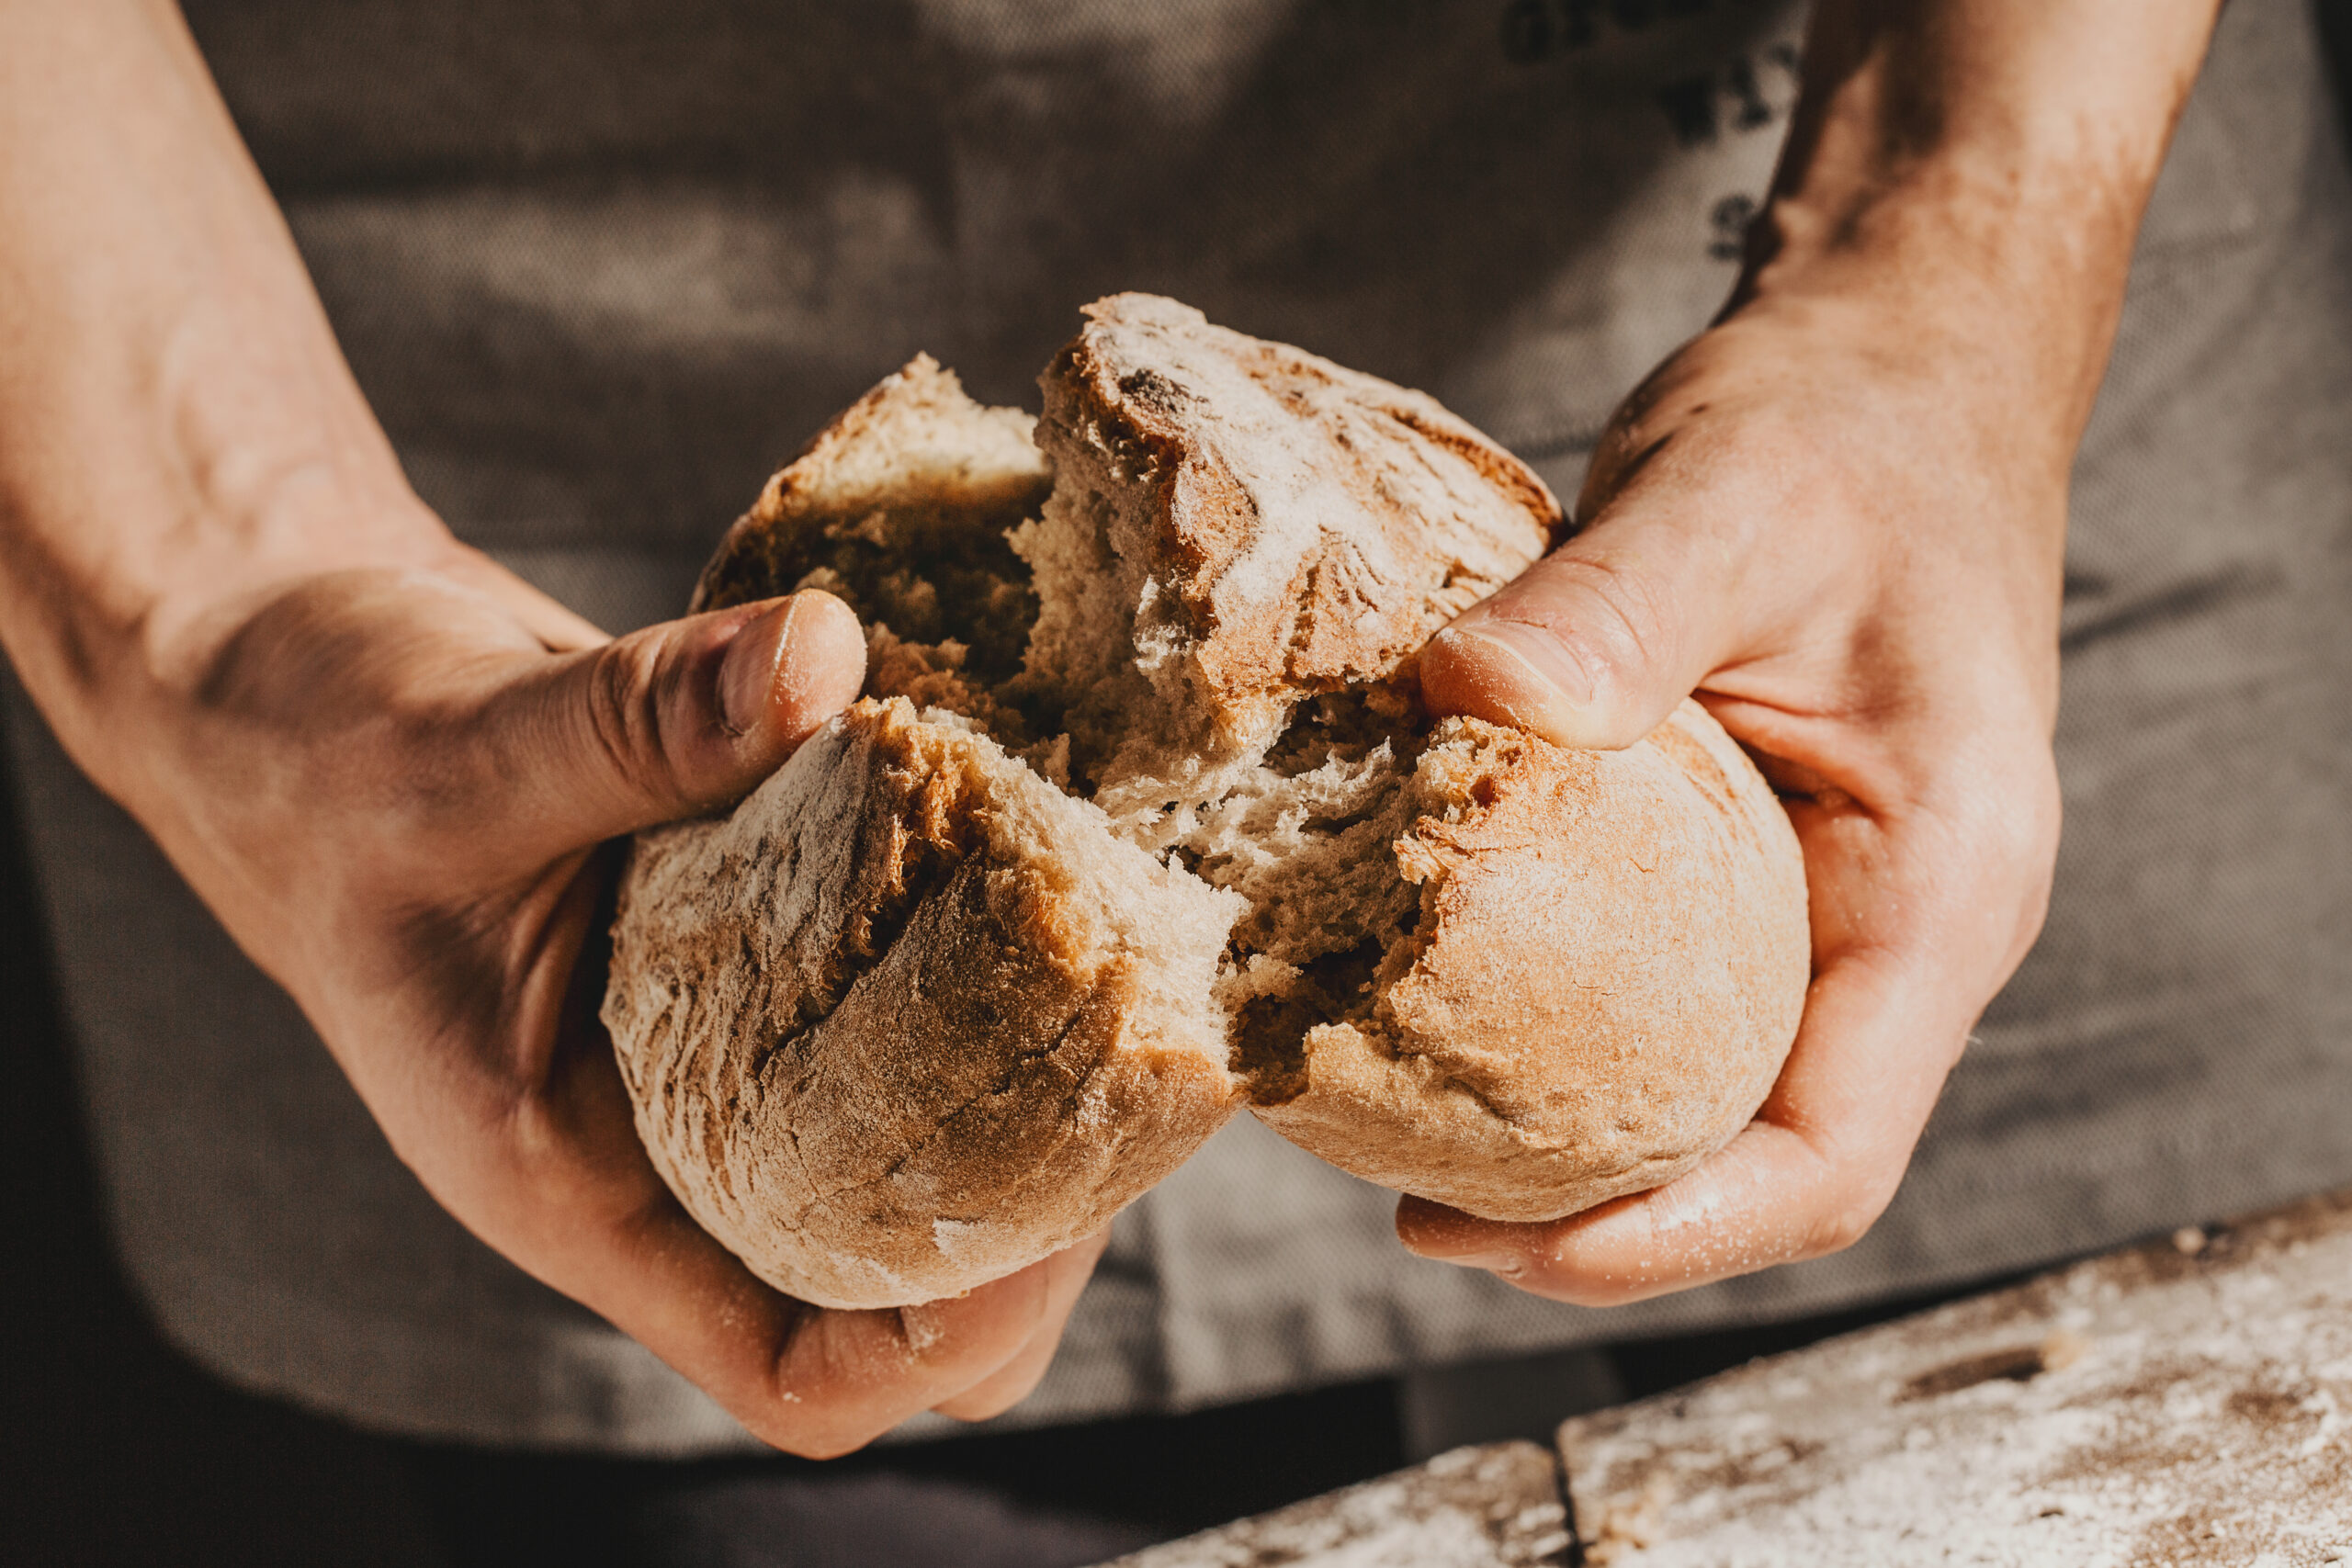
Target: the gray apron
(599, 269)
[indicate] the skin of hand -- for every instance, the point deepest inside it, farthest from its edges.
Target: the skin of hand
(396, 773)
(1837, 517)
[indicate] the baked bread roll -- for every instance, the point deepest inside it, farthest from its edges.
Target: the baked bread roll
(1140, 820)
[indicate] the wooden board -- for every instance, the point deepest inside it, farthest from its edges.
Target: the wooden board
(1497, 1506)
(2186, 1402)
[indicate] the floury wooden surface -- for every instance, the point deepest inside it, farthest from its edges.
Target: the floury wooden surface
(2186, 1402)
(1493, 1507)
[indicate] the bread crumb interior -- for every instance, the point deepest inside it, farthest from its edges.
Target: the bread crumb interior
(1050, 638)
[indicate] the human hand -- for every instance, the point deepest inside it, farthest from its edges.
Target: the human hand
(390, 768)
(398, 789)
(1864, 597)
(1838, 515)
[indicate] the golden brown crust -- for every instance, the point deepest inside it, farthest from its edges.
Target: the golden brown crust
(877, 1044)
(1315, 524)
(1610, 966)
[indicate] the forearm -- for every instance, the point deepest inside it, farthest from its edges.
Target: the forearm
(177, 428)
(1838, 516)
(1934, 281)
(1985, 163)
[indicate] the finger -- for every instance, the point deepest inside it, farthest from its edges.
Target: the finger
(665, 722)
(1594, 645)
(582, 1207)
(1012, 1383)
(1693, 555)
(814, 1381)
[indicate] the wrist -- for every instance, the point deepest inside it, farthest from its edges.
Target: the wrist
(114, 627)
(1965, 179)
(177, 430)
(1951, 264)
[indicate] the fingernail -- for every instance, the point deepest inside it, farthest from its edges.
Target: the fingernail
(1523, 671)
(1537, 652)
(747, 673)
(792, 668)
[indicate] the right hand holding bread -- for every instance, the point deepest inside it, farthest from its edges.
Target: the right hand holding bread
(394, 789)
(387, 765)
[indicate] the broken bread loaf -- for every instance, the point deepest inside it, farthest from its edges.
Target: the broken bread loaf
(1140, 820)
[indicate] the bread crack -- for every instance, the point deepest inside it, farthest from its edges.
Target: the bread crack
(945, 1122)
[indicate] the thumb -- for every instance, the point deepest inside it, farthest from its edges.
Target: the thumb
(670, 721)
(1594, 645)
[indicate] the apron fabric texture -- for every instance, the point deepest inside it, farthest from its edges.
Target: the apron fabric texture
(601, 266)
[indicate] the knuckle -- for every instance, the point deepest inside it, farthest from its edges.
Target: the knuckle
(1621, 625)
(2013, 853)
(1610, 629)
(841, 1379)
(821, 1418)
(2002, 827)
(623, 715)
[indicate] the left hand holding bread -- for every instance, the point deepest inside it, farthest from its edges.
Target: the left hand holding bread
(1839, 515)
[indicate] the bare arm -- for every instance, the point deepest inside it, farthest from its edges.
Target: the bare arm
(1839, 515)
(384, 763)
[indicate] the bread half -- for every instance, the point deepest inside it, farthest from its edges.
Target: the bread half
(910, 1018)
(1607, 964)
